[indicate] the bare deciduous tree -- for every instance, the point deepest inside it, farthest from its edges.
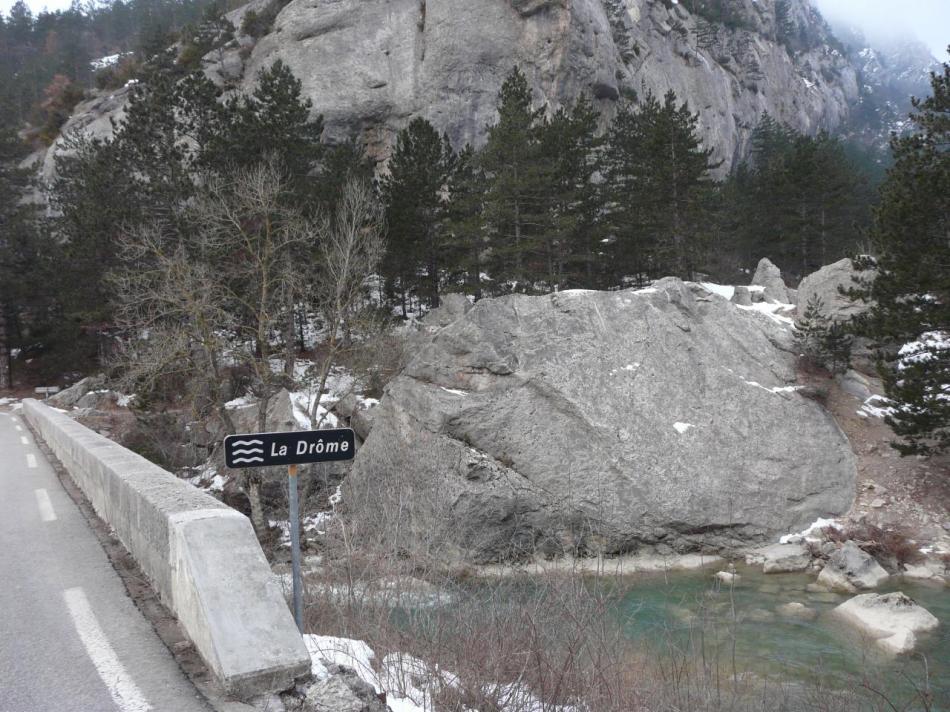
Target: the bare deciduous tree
(211, 290)
(351, 247)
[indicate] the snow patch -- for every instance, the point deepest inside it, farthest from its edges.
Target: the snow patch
(723, 290)
(771, 310)
(877, 407)
(809, 533)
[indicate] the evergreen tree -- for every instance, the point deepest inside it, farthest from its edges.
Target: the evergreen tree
(570, 143)
(414, 195)
(467, 238)
(800, 200)
(911, 294)
(656, 169)
(516, 169)
(274, 120)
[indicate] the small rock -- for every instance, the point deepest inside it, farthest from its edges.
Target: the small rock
(798, 610)
(727, 577)
(878, 503)
(343, 691)
(893, 620)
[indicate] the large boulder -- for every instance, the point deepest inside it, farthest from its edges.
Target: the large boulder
(769, 276)
(850, 569)
(826, 284)
(892, 620)
(600, 421)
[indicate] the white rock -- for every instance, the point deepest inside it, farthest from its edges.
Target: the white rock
(727, 577)
(892, 620)
(795, 609)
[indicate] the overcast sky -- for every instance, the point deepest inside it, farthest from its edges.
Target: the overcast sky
(927, 19)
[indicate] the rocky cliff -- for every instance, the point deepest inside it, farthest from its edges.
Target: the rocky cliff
(371, 65)
(601, 422)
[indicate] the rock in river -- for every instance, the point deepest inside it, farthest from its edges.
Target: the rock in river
(893, 620)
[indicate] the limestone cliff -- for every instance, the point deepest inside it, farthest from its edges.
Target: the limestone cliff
(370, 66)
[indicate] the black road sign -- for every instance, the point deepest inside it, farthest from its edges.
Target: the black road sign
(297, 448)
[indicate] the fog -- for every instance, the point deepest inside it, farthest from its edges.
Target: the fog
(929, 20)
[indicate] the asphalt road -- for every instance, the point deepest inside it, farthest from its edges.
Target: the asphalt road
(71, 640)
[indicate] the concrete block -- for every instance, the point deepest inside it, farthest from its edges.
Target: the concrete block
(200, 555)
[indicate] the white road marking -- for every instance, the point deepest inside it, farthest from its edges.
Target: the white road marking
(24, 440)
(125, 693)
(47, 513)
(19, 428)
(31, 460)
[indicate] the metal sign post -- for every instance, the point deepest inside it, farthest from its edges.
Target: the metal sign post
(291, 449)
(295, 544)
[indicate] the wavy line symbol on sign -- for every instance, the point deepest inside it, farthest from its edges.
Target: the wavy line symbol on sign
(249, 451)
(247, 459)
(248, 442)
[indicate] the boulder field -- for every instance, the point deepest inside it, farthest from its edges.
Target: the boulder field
(663, 419)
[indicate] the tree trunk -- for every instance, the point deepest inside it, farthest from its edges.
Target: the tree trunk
(5, 380)
(290, 346)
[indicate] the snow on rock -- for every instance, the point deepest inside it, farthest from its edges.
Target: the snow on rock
(812, 533)
(724, 291)
(771, 310)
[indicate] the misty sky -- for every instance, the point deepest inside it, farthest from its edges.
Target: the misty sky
(927, 19)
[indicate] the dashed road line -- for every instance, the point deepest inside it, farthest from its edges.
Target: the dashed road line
(125, 693)
(31, 460)
(47, 513)
(24, 440)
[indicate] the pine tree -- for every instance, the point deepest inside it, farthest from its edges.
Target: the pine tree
(911, 294)
(570, 139)
(467, 236)
(274, 120)
(414, 195)
(656, 169)
(515, 167)
(811, 332)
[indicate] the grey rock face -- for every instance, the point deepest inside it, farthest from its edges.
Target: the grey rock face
(372, 65)
(452, 307)
(850, 569)
(598, 421)
(854, 384)
(769, 276)
(826, 283)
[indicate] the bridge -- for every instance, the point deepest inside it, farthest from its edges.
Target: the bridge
(72, 638)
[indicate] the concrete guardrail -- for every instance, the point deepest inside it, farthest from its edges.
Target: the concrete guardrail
(201, 556)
